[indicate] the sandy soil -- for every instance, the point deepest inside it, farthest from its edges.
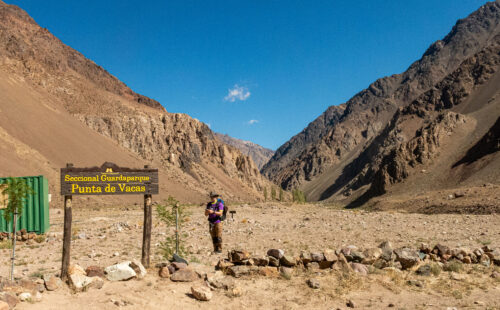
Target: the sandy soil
(257, 228)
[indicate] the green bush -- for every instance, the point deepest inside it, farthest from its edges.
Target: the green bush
(454, 265)
(166, 214)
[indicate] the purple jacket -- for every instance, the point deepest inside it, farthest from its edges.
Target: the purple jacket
(218, 206)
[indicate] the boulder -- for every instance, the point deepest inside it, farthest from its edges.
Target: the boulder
(313, 266)
(9, 298)
(276, 253)
(424, 270)
(202, 293)
(52, 282)
(313, 283)
(138, 268)
(164, 272)
(184, 275)
(387, 251)
(237, 256)
(76, 269)
(25, 297)
(268, 271)
(305, 257)
(330, 256)
(239, 271)
(371, 255)
(287, 261)
(80, 282)
(95, 271)
(342, 264)
(260, 260)
(441, 249)
(286, 272)
(359, 268)
(407, 257)
(120, 272)
(217, 280)
(324, 264)
(4, 305)
(273, 261)
(178, 265)
(317, 257)
(223, 264)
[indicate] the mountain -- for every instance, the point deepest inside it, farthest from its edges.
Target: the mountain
(260, 155)
(58, 106)
(380, 138)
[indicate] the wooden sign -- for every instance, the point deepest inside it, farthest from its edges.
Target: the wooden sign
(109, 179)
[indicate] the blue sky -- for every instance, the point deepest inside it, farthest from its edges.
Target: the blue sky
(258, 70)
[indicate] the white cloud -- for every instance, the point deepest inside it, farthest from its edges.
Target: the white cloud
(237, 93)
(252, 121)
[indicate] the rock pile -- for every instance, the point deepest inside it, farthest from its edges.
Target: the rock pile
(22, 235)
(177, 272)
(351, 259)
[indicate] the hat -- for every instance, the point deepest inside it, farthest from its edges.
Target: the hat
(214, 194)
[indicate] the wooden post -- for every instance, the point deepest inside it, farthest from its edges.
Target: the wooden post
(146, 232)
(68, 218)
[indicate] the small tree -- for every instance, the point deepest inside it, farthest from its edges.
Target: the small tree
(15, 191)
(298, 196)
(265, 193)
(273, 193)
(281, 195)
(166, 214)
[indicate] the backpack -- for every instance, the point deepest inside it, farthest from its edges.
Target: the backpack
(224, 212)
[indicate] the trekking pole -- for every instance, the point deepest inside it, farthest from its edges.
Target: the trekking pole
(176, 229)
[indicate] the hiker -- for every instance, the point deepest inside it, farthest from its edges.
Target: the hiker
(214, 211)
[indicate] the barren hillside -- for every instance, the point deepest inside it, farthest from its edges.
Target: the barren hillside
(57, 106)
(377, 140)
(259, 154)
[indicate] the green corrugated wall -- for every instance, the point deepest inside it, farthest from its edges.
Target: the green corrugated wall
(35, 217)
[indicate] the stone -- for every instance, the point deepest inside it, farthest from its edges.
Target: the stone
(28, 285)
(416, 283)
(268, 271)
(25, 296)
(202, 293)
(4, 305)
(95, 271)
(80, 282)
(371, 255)
(407, 257)
(237, 256)
(359, 268)
(425, 248)
(495, 275)
(350, 304)
(184, 275)
(222, 264)
(120, 272)
(164, 272)
(287, 261)
(217, 280)
(273, 261)
(313, 266)
(317, 257)
(330, 256)
(342, 264)
(324, 264)
(178, 265)
(387, 251)
(37, 297)
(52, 282)
(76, 269)
(9, 298)
(305, 257)
(235, 291)
(457, 277)
(424, 270)
(138, 268)
(313, 283)
(484, 260)
(276, 253)
(286, 272)
(260, 260)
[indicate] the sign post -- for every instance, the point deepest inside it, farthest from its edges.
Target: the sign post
(109, 179)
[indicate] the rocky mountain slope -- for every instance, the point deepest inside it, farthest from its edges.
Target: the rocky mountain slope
(58, 106)
(370, 141)
(260, 155)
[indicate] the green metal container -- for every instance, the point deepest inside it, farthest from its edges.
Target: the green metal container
(35, 217)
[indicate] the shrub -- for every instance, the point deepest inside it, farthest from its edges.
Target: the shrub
(166, 214)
